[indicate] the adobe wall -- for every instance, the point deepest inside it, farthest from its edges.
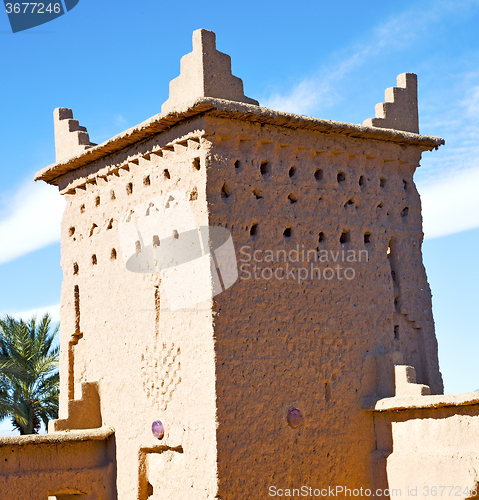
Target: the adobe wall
(429, 445)
(77, 463)
(150, 362)
(280, 344)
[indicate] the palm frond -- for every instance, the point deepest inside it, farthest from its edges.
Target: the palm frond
(29, 379)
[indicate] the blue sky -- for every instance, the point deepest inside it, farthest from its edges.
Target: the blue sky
(111, 61)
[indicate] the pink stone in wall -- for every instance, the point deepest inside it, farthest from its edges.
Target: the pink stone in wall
(157, 429)
(294, 418)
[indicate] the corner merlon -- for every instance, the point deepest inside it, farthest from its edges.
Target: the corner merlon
(205, 72)
(399, 111)
(406, 382)
(70, 137)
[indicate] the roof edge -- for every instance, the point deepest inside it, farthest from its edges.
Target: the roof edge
(229, 109)
(101, 433)
(421, 402)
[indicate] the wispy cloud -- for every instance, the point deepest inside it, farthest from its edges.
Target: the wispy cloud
(451, 205)
(30, 220)
(120, 120)
(317, 92)
(39, 312)
(448, 179)
(9, 431)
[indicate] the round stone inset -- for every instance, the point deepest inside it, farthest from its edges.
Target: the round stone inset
(294, 418)
(157, 429)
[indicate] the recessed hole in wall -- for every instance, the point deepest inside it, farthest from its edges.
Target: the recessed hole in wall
(225, 191)
(321, 237)
(94, 260)
(149, 490)
(166, 173)
(170, 198)
(76, 301)
(257, 192)
(156, 241)
(404, 212)
(404, 184)
(176, 235)
(396, 332)
(341, 177)
(149, 209)
(129, 188)
(327, 391)
(287, 232)
(75, 268)
(94, 226)
(367, 237)
(253, 230)
(82, 208)
(349, 203)
(380, 205)
(292, 171)
(318, 175)
(345, 236)
(292, 198)
(392, 259)
(362, 180)
(194, 194)
(112, 195)
(265, 168)
(71, 231)
(146, 181)
(137, 246)
(110, 224)
(237, 164)
(97, 201)
(196, 163)
(113, 254)
(382, 182)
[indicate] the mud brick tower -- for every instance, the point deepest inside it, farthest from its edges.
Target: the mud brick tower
(273, 383)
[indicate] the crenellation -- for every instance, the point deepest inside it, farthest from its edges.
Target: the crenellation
(70, 137)
(399, 111)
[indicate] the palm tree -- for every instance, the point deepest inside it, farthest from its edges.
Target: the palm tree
(29, 379)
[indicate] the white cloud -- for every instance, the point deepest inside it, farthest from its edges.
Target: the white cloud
(39, 312)
(311, 93)
(302, 99)
(9, 431)
(471, 104)
(30, 220)
(120, 120)
(314, 93)
(451, 204)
